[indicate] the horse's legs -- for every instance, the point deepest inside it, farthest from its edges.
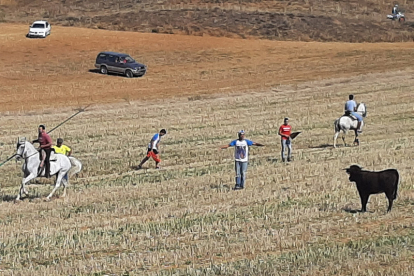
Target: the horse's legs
(65, 182)
(343, 138)
(335, 137)
(22, 187)
(57, 184)
(356, 140)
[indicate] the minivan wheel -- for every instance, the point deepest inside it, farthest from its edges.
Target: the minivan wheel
(129, 74)
(103, 70)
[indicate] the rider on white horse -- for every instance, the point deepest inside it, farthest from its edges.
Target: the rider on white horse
(45, 146)
(351, 108)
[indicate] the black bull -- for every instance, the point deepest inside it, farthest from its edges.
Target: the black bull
(369, 183)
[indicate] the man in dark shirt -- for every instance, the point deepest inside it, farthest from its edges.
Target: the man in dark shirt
(45, 145)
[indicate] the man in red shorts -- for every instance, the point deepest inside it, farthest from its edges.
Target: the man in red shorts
(45, 148)
(153, 150)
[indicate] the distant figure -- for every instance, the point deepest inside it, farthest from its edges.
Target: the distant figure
(395, 10)
(241, 156)
(351, 108)
(284, 131)
(45, 148)
(153, 150)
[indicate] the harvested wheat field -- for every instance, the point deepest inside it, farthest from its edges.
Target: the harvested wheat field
(298, 218)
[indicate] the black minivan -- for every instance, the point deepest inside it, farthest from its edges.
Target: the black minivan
(119, 63)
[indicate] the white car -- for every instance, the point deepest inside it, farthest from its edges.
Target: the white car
(39, 29)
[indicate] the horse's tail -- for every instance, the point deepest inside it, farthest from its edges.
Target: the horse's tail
(76, 166)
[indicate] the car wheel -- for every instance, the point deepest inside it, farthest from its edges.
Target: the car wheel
(129, 74)
(103, 70)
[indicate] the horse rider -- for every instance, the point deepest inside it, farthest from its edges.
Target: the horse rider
(395, 10)
(45, 148)
(351, 108)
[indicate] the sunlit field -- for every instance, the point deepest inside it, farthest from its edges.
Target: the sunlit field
(298, 218)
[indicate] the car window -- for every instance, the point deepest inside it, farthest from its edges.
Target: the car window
(102, 56)
(111, 58)
(129, 59)
(38, 26)
(47, 24)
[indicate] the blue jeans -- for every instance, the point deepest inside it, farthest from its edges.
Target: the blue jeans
(359, 117)
(286, 144)
(241, 169)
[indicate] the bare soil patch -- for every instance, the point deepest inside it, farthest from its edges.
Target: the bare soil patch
(58, 71)
(310, 20)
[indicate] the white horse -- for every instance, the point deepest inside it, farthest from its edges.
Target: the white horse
(60, 166)
(346, 123)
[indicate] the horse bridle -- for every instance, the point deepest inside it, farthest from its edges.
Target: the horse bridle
(21, 156)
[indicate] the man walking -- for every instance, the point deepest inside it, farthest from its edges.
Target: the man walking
(45, 148)
(153, 150)
(351, 108)
(284, 131)
(241, 156)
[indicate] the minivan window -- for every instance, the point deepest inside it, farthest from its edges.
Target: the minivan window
(102, 56)
(111, 58)
(38, 26)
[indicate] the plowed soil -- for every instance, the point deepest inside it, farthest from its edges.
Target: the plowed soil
(59, 70)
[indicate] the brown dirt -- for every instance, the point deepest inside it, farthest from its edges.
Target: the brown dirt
(310, 20)
(58, 71)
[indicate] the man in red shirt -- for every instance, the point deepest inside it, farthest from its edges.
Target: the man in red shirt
(45, 146)
(284, 131)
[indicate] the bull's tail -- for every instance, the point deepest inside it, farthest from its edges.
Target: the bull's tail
(396, 185)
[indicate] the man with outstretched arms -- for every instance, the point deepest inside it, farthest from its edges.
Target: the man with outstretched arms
(153, 149)
(241, 157)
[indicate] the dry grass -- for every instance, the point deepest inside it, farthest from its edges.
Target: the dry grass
(295, 219)
(292, 219)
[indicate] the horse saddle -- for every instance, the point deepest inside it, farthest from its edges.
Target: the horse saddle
(349, 114)
(53, 156)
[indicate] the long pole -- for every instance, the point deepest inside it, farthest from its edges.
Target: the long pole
(8, 159)
(80, 110)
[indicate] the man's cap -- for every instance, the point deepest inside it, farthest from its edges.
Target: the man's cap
(60, 140)
(286, 119)
(241, 132)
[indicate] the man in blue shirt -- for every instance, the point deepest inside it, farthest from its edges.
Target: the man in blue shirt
(351, 108)
(241, 156)
(153, 150)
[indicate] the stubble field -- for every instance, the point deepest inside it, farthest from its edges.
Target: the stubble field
(292, 219)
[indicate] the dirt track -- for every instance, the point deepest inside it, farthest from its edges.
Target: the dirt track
(58, 71)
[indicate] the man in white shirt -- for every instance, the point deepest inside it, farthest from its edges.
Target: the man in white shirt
(241, 156)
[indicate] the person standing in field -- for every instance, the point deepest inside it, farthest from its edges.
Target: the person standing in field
(284, 131)
(62, 149)
(241, 156)
(153, 150)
